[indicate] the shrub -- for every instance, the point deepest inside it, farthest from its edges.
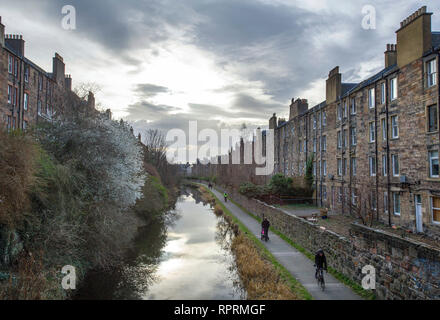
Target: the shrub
(281, 185)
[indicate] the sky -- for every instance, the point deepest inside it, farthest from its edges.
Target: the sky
(160, 64)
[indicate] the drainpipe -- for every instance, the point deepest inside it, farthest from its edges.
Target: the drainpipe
(350, 182)
(376, 151)
(388, 153)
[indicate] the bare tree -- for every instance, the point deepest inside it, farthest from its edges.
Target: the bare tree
(363, 204)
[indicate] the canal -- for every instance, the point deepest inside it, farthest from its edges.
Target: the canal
(184, 256)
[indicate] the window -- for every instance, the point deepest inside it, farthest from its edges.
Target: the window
(344, 138)
(432, 73)
(353, 166)
(324, 192)
(394, 127)
(344, 166)
(314, 144)
(40, 83)
(383, 93)
(396, 204)
(16, 67)
(384, 129)
(384, 166)
(395, 162)
(372, 162)
(393, 88)
(324, 118)
(314, 169)
(15, 97)
(26, 74)
(9, 124)
(305, 146)
(339, 112)
(10, 64)
(345, 108)
(324, 168)
(39, 107)
(371, 98)
(353, 197)
(353, 106)
(314, 122)
(353, 136)
(25, 124)
(432, 118)
(372, 132)
(339, 167)
(324, 143)
(339, 140)
(385, 202)
(9, 94)
(433, 164)
(25, 101)
(435, 208)
(373, 201)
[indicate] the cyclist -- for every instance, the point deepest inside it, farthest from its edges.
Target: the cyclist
(320, 262)
(226, 196)
(265, 225)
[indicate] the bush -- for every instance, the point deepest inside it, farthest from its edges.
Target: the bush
(251, 190)
(281, 185)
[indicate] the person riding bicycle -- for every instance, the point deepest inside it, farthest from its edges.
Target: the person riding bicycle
(265, 225)
(226, 196)
(320, 262)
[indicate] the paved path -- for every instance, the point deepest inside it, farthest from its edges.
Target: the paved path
(294, 261)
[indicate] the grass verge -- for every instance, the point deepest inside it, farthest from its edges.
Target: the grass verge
(338, 275)
(295, 286)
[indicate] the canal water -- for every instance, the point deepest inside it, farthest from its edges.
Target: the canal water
(185, 256)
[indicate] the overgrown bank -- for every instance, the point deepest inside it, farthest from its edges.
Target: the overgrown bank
(261, 274)
(72, 192)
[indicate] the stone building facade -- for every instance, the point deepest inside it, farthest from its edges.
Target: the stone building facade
(378, 140)
(29, 94)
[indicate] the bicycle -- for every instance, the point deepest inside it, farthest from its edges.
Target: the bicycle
(320, 278)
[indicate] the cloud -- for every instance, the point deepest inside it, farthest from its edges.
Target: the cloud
(148, 90)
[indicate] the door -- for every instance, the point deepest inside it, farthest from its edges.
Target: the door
(419, 215)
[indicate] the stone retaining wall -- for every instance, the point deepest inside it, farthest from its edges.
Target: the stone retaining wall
(405, 269)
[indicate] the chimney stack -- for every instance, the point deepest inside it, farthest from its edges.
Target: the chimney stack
(58, 68)
(2, 33)
(390, 55)
(333, 85)
(273, 122)
(16, 43)
(68, 82)
(414, 37)
(298, 107)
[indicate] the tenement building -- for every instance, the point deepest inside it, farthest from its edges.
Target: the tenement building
(375, 142)
(28, 94)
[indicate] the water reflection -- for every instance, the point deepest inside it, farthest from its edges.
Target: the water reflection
(183, 257)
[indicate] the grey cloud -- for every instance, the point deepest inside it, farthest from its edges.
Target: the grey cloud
(148, 90)
(149, 111)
